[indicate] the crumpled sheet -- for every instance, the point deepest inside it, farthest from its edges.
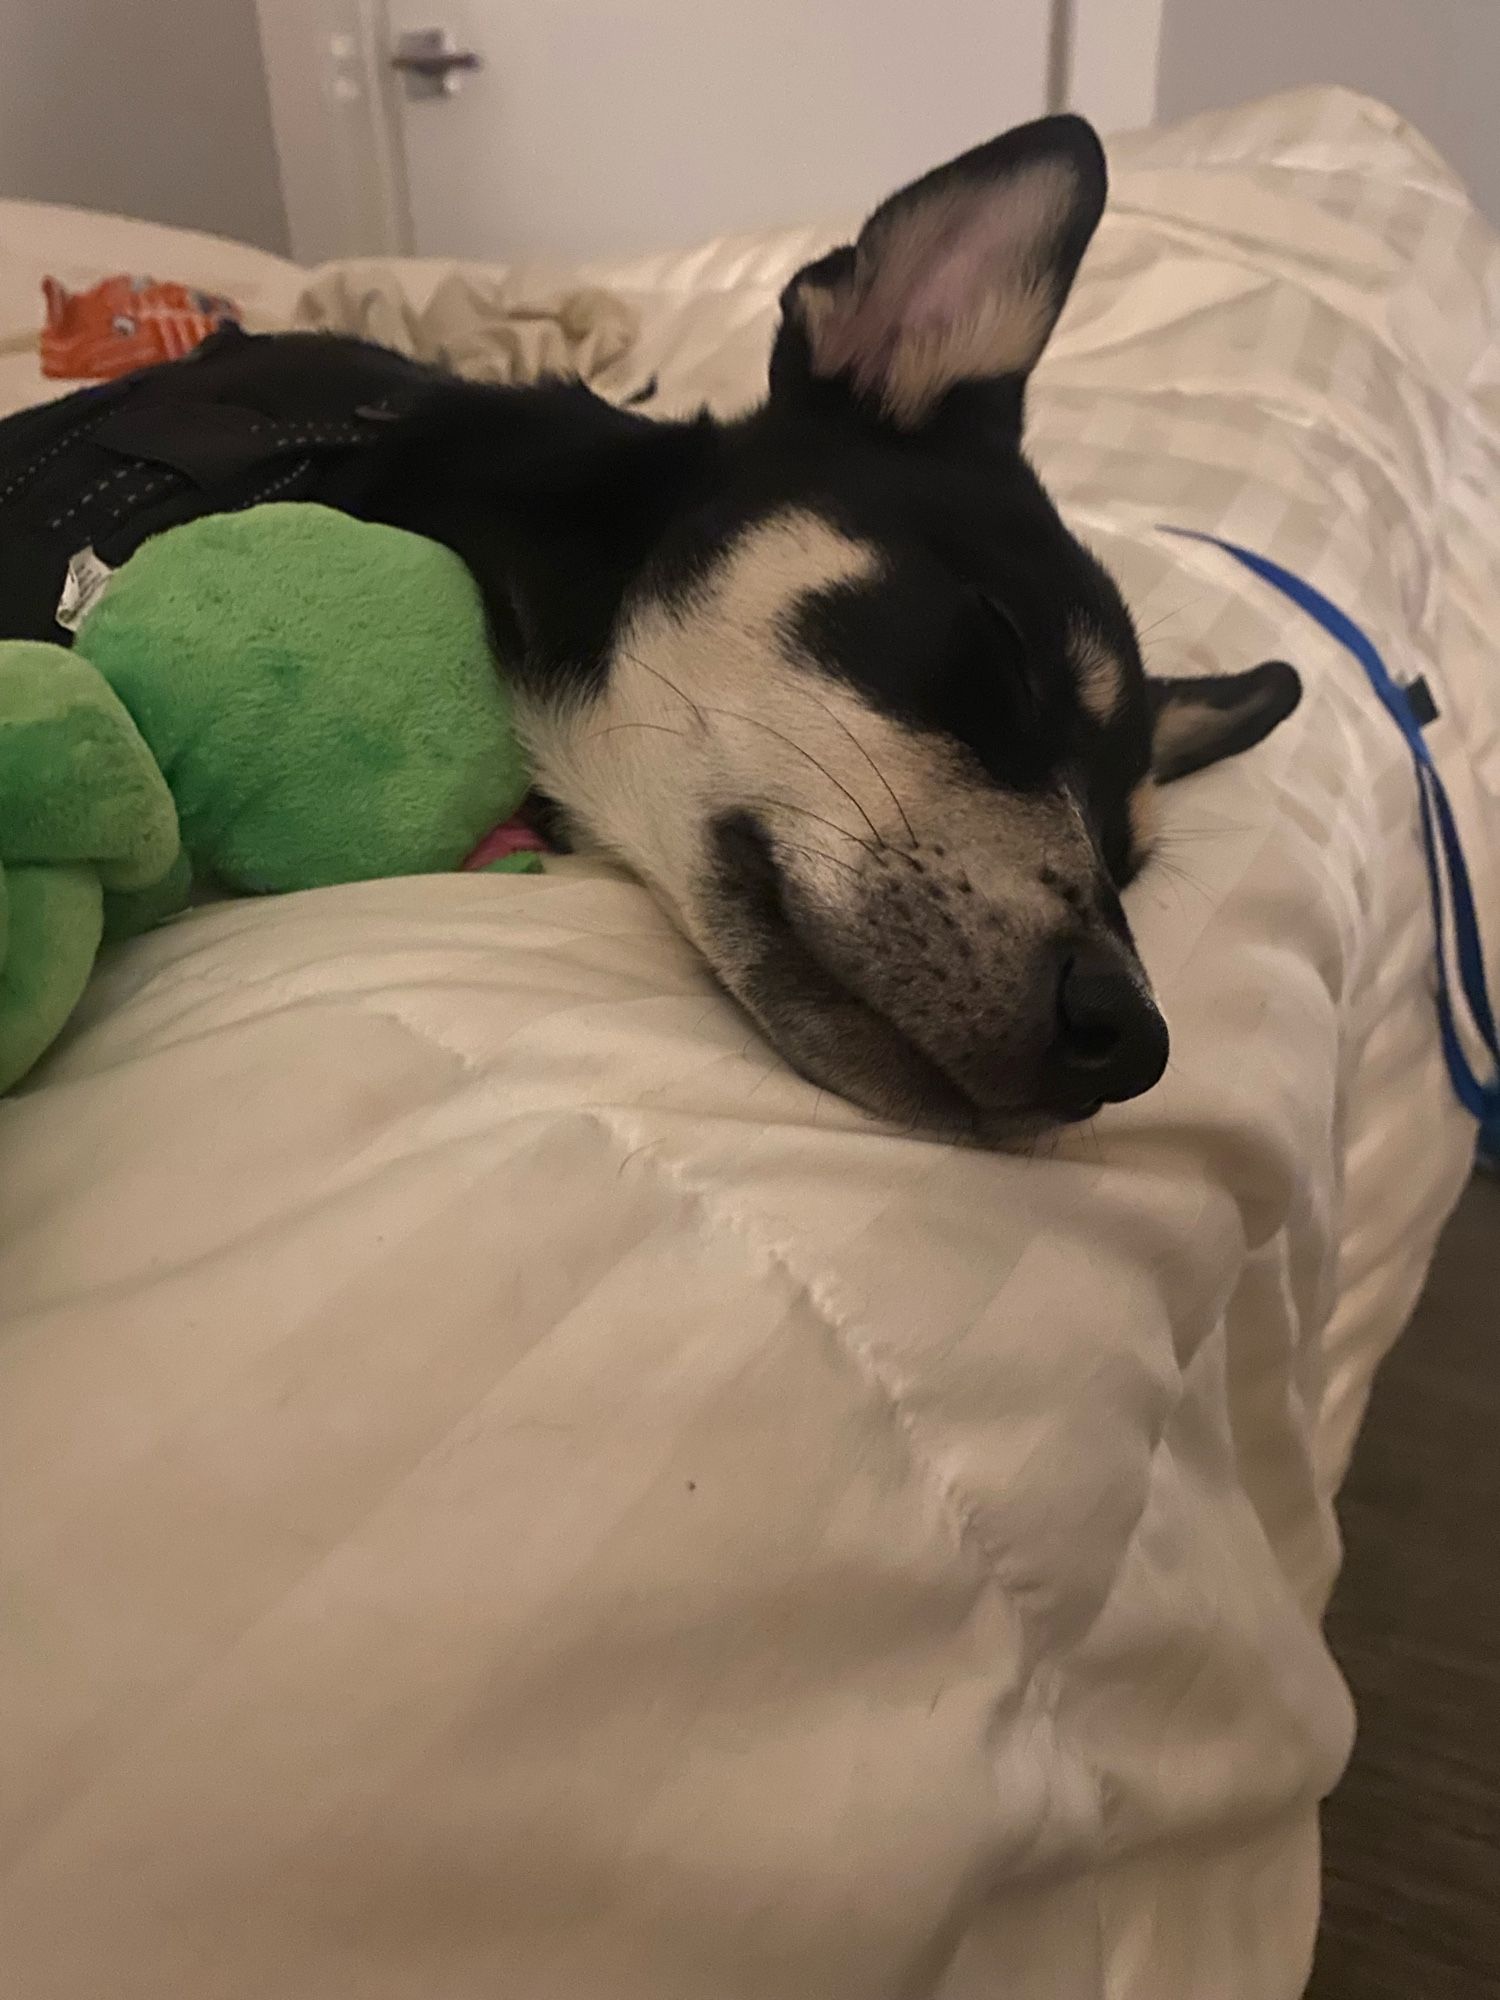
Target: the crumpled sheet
(491, 327)
(506, 1491)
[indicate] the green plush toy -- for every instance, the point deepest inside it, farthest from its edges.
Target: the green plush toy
(278, 699)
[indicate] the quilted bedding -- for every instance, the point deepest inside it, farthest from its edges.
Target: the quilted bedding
(505, 1491)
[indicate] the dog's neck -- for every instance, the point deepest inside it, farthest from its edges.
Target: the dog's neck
(551, 497)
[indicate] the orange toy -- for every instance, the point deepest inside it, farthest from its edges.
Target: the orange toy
(124, 323)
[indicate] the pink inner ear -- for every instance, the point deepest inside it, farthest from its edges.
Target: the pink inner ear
(942, 262)
(948, 288)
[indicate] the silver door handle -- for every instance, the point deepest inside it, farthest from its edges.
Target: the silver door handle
(429, 64)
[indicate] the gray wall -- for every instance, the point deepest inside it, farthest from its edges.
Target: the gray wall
(158, 107)
(1436, 61)
(154, 108)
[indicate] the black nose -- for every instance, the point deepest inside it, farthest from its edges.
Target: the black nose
(1111, 1041)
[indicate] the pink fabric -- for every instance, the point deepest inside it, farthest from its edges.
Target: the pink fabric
(512, 836)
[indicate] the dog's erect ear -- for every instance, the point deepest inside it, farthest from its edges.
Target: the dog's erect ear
(958, 278)
(1199, 721)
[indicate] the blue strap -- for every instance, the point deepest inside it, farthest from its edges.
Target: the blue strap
(1447, 871)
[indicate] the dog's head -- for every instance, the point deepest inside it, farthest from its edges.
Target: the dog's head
(839, 684)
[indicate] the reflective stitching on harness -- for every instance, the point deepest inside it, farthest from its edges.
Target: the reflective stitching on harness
(329, 432)
(29, 471)
(137, 493)
(120, 472)
(276, 486)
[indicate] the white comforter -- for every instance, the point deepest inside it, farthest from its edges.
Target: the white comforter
(507, 1492)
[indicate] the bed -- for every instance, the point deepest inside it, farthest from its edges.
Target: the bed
(505, 1490)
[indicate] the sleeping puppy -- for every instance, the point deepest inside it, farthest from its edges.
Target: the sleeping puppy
(834, 678)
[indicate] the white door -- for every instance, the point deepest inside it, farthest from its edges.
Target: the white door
(600, 126)
(596, 127)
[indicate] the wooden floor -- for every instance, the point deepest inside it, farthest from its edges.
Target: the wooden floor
(1412, 1836)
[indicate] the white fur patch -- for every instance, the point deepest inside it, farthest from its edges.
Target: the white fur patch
(705, 710)
(1145, 818)
(708, 709)
(1100, 678)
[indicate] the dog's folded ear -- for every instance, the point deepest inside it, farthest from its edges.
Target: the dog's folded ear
(1198, 721)
(958, 278)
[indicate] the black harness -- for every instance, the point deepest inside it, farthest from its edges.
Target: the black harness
(243, 419)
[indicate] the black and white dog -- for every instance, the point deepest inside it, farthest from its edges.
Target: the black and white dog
(836, 680)
(833, 678)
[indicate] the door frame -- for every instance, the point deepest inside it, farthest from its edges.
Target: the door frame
(335, 116)
(1111, 60)
(336, 127)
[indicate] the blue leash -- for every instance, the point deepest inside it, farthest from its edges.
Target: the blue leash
(1447, 871)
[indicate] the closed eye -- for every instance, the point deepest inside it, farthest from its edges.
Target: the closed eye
(1005, 618)
(1010, 651)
